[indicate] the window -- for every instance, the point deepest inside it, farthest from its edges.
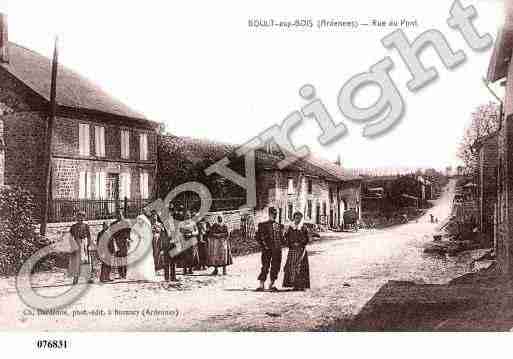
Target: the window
(324, 209)
(145, 193)
(309, 186)
(124, 188)
(290, 211)
(125, 144)
(143, 147)
(331, 195)
(100, 186)
(84, 141)
(99, 140)
(290, 186)
(309, 209)
(84, 185)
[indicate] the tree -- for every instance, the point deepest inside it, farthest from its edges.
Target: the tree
(18, 238)
(484, 121)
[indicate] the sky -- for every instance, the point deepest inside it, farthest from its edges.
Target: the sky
(199, 68)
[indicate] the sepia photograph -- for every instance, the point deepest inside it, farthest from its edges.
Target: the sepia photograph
(292, 167)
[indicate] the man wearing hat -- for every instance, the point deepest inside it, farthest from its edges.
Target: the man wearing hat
(270, 237)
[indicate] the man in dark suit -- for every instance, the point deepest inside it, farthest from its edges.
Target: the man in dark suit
(105, 267)
(270, 237)
(165, 245)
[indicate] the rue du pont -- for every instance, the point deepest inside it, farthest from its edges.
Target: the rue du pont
(406, 23)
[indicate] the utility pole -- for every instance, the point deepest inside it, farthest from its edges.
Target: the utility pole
(49, 134)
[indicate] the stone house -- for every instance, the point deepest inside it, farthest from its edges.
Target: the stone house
(104, 154)
(501, 69)
(321, 190)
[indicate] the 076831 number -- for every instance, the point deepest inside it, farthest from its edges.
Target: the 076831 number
(51, 344)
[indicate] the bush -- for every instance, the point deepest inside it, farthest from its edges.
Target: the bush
(18, 238)
(242, 245)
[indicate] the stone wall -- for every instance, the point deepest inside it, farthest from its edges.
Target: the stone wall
(488, 161)
(2, 152)
(505, 198)
(24, 134)
(233, 219)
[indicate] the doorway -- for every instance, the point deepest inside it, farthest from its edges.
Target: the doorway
(112, 191)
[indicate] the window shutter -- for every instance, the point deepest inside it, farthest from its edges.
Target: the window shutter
(81, 185)
(103, 185)
(128, 183)
(125, 186)
(89, 186)
(97, 187)
(100, 186)
(144, 185)
(99, 140)
(102, 132)
(125, 144)
(84, 139)
(143, 146)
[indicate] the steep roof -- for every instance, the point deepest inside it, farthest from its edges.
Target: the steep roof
(502, 51)
(206, 152)
(73, 90)
(333, 169)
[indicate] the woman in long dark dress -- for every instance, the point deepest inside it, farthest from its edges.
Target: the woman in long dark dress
(219, 251)
(204, 229)
(297, 271)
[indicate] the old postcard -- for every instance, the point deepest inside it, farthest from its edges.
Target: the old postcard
(260, 167)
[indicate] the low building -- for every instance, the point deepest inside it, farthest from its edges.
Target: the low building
(321, 190)
(388, 193)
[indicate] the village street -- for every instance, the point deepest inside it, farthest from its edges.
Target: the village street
(346, 271)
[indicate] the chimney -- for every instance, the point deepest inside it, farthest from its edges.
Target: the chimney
(4, 39)
(338, 162)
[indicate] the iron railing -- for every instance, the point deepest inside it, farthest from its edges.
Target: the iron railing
(66, 210)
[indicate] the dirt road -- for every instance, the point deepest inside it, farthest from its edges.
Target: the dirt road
(346, 271)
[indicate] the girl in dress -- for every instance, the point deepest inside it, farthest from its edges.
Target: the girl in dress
(189, 258)
(297, 271)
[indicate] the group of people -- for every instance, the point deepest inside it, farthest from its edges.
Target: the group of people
(202, 245)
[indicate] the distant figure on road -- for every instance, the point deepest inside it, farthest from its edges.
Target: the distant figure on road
(297, 271)
(270, 237)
